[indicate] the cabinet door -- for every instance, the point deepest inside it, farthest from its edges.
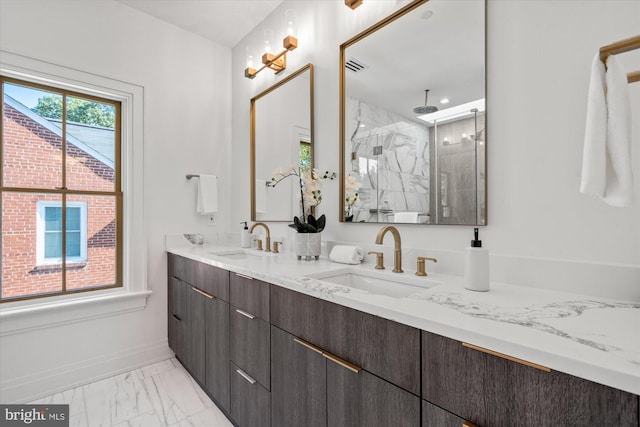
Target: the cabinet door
(433, 416)
(194, 360)
(250, 343)
(298, 383)
(177, 316)
(212, 280)
(383, 347)
(250, 402)
(492, 391)
(363, 399)
(217, 351)
(250, 295)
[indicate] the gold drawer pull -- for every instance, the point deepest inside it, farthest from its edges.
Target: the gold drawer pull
(466, 423)
(245, 314)
(244, 277)
(333, 358)
(504, 356)
(342, 362)
(308, 345)
(246, 376)
(203, 293)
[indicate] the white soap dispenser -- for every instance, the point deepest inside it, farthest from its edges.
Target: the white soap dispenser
(476, 270)
(245, 237)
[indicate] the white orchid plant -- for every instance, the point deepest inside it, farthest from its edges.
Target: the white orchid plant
(351, 187)
(310, 181)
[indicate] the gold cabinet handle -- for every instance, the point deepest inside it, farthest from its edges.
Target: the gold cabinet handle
(308, 345)
(244, 277)
(245, 314)
(332, 357)
(246, 376)
(505, 356)
(203, 293)
(466, 423)
(342, 362)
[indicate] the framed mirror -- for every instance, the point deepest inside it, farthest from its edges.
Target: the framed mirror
(412, 117)
(281, 136)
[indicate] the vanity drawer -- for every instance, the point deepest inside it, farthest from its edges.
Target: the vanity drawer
(250, 402)
(250, 295)
(250, 345)
(490, 390)
(383, 347)
(213, 280)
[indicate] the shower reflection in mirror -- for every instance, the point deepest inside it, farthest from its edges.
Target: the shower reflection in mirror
(428, 171)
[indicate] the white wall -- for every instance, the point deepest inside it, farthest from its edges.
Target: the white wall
(539, 56)
(186, 130)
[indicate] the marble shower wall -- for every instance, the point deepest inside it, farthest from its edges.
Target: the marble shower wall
(389, 155)
(457, 155)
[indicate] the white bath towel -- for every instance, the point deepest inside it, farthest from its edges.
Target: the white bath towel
(346, 254)
(606, 159)
(207, 194)
(406, 217)
(261, 196)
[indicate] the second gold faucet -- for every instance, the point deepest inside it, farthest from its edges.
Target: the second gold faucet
(267, 240)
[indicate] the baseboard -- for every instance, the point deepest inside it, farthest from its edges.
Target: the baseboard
(35, 386)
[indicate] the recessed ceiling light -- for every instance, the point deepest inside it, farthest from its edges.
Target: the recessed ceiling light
(444, 101)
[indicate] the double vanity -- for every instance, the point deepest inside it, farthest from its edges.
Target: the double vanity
(281, 342)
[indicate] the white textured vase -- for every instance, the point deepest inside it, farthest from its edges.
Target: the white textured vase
(308, 245)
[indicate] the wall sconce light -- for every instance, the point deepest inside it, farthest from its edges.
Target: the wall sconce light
(353, 3)
(276, 62)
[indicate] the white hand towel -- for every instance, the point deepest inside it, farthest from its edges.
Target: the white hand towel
(345, 254)
(207, 194)
(606, 160)
(406, 217)
(261, 196)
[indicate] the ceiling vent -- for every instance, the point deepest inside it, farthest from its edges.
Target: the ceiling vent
(355, 66)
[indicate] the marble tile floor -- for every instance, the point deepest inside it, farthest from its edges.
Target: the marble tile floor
(158, 395)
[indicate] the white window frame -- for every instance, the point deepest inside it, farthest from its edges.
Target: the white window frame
(41, 205)
(33, 314)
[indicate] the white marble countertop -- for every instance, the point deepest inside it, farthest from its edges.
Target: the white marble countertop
(589, 337)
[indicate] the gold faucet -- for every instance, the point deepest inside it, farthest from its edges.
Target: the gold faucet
(397, 264)
(267, 239)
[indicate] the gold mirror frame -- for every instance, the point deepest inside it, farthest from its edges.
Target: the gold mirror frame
(381, 24)
(308, 67)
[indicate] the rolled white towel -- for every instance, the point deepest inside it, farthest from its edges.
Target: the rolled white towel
(345, 254)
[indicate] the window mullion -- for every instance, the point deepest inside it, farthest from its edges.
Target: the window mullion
(63, 121)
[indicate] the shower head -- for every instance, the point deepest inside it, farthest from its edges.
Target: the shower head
(425, 109)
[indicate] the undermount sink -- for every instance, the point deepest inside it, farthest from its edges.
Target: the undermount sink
(243, 254)
(396, 285)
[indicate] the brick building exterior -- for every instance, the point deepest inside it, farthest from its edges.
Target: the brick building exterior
(32, 151)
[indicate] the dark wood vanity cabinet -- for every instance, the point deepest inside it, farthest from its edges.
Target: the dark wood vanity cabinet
(385, 348)
(386, 355)
(298, 383)
(490, 390)
(199, 323)
(270, 356)
(250, 345)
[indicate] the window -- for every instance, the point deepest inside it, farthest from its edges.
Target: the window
(49, 233)
(61, 197)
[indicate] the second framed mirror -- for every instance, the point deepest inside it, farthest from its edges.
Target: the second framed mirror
(281, 136)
